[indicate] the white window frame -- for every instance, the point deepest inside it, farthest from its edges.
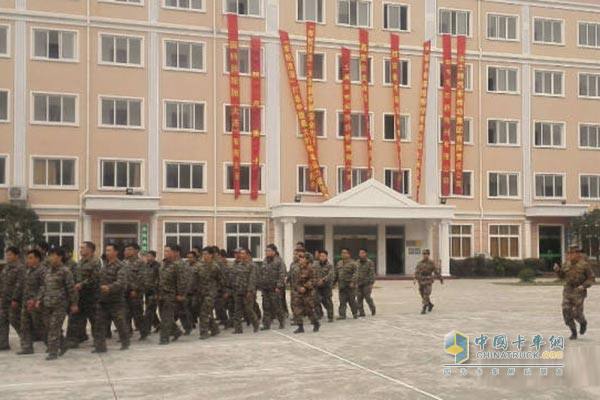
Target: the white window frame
(188, 9)
(204, 165)
(178, 235)
(61, 234)
(8, 41)
(323, 13)
(324, 136)
(6, 158)
(353, 185)
(562, 34)
(508, 196)
(306, 173)
(509, 236)
(339, 115)
(245, 48)
(408, 14)
(179, 102)
(408, 137)
(388, 60)
(263, 175)
(75, 58)
(103, 188)
(468, 121)
(468, 72)
(550, 71)
(595, 125)
(136, 3)
(188, 43)
(461, 236)
(32, 185)
(471, 183)
(498, 69)
(499, 39)
(114, 126)
(439, 20)
(585, 175)
(249, 107)
(298, 70)
(32, 120)
(552, 146)
(8, 106)
(117, 64)
(404, 181)
(348, 25)
(262, 235)
(587, 46)
(260, 10)
(553, 174)
(487, 127)
(588, 74)
(338, 64)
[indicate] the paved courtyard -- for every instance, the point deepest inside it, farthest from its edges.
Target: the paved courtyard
(397, 354)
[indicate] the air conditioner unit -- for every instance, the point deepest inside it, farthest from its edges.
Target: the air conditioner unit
(17, 193)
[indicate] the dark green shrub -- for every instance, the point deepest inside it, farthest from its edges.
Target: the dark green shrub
(527, 275)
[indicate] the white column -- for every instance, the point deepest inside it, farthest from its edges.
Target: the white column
(429, 226)
(273, 91)
(153, 104)
(526, 121)
(278, 234)
(444, 247)
(153, 228)
(430, 164)
(87, 227)
(527, 238)
(288, 240)
(329, 240)
(381, 250)
(19, 48)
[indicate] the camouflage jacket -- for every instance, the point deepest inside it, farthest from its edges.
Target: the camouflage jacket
(71, 265)
(227, 274)
(206, 278)
(293, 267)
(576, 274)
(303, 276)
(271, 274)
(135, 274)
(243, 277)
(11, 276)
(86, 274)
(58, 289)
(151, 274)
(346, 273)
(33, 279)
(324, 272)
(113, 275)
(171, 280)
(365, 272)
(425, 271)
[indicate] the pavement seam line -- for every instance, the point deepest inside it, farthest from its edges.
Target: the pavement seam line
(361, 367)
(110, 382)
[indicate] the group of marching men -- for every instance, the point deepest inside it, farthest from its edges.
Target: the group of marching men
(198, 289)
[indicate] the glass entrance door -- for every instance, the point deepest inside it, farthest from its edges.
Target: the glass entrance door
(394, 250)
(550, 245)
(355, 237)
(120, 233)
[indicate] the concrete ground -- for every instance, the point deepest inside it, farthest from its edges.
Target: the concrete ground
(397, 354)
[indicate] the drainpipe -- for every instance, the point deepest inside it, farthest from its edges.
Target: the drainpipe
(215, 134)
(481, 127)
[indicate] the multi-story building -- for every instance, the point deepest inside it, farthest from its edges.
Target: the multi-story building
(114, 125)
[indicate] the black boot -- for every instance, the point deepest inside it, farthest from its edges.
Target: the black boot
(238, 330)
(51, 357)
(281, 323)
(316, 326)
(583, 327)
(23, 352)
(299, 329)
(265, 328)
(573, 332)
(424, 310)
(430, 307)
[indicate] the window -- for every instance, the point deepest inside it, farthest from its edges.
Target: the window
(245, 119)
(186, 56)
(359, 175)
(54, 45)
(246, 235)
(504, 241)
(318, 66)
(243, 7)
(3, 171)
(244, 177)
(503, 80)
(503, 132)
(589, 136)
(390, 178)
(358, 125)
(589, 85)
(121, 112)
(501, 27)
(53, 172)
(117, 174)
(503, 184)
(54, 108)
(184, 116)
(320, 124)
(184, 176)
(185, 234)
(549, 185)
(549, 83)
(59, 233)
(310, 10)
(4, 40)
(354, 69)
(467, 184)
(243, 60)
(453, 74)
(395, 17)
(121, 50)
(404, 72)
(193, 5)
(548, 31)
(549, 134)
(466, 130)
(454, 22)
(354, 12)
(304, 180)
(461, 239)
(3, 105)
(589, 34)
(389, 127)
(589, 187)
(123, 1)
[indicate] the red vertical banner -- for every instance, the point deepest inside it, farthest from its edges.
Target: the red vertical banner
(446, 113)
(310, 98)
(313, 162)
(422, 114)
(395, 73)
(255, 115)
(347, 118)
(364, 86)
(460, 116)
(234, 93)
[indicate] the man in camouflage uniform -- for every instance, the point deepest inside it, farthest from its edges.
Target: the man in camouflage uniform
(244, 290)
(272, 275)
(365, 278)
(32, 324)
(134, 293)
(578, 277)
(55, 296)
(172, 288)
(206, 280)
(10, 295)
(86, 285)
(424, 274)
(151, 273)
(112, 282)
(346, 278)
(324, 281)
(187, 311)
(223, 300)
(302, 281)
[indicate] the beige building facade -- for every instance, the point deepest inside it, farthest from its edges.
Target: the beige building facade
(114, 125)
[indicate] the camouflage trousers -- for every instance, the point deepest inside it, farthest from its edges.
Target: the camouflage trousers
(204, 309)
(244, 307)
(135, 313)
(347, 297)
(105, 314)
(32, 328)
(221, 307)
(303, 305)
(323, 298)
(54, 317)
(9, 316)
(77, 328)
(150, 316)
(168, 309)
(425, 291)
(363, 293)
(271, 307)
(572, 305)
